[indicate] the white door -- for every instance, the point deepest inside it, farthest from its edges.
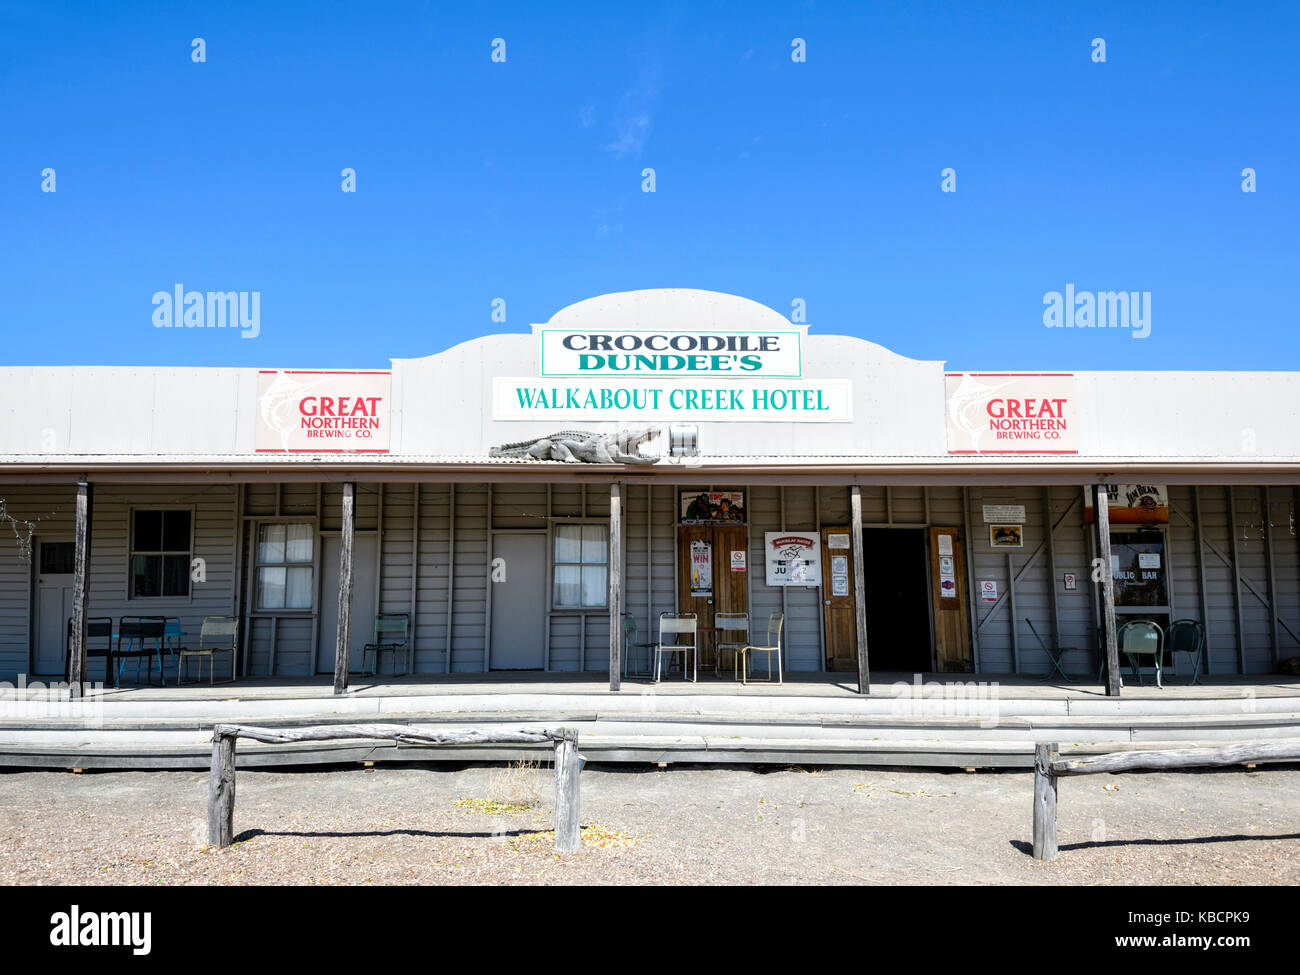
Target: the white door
(364, 550)
(519, 603)
(54, 583)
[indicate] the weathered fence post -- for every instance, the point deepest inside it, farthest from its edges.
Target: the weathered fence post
(1045, 801)
(568, 795)
(221, 789)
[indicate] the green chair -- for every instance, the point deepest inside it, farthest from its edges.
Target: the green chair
(773, 646)
(1139, 637)
(729, 623)
(392, 635)
(1186, 636)
(630, 644)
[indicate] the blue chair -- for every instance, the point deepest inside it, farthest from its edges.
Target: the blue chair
(1186, 636)
(140, 637)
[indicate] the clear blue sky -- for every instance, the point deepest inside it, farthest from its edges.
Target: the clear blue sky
(775, 180)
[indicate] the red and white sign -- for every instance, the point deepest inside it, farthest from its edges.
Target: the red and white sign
(1011, 413)
(738, 560)
(323, 412)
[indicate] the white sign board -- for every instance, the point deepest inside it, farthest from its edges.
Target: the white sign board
(322, 412)
(1011, 413)
(997, 513)
(663, 354)
(685, 399)
(738, 560)
(793, 558)
(988, 591)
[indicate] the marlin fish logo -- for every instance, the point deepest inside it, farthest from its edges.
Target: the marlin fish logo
(963, 406)
(278, 403)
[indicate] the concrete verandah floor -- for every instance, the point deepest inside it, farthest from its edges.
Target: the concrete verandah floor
(816, 685)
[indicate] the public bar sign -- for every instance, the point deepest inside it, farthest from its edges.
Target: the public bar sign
(322, 411)
(667, 354)
(793, 558)
(1011, 413)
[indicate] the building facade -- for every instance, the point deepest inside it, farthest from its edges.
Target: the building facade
(650, 452)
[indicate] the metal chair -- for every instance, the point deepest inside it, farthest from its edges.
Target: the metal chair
(774, 624)
(679, 625)
(392, 635)
(171, 644)
(1140, 637)
(136, 632)
(631, 643)
(729, 623)
(97, 628)
(1054, 654)
(219, 634)
(1186, 636)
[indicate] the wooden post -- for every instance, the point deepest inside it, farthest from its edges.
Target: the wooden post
(81, 593)
(341, 646)
(221, 789)
(568, 795)
(1101, 521)
(615, 590)
(859, 589)
(1045, 802)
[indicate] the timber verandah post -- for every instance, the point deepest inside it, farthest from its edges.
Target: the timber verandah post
(1101, 521)
(615, 587)
(859, 590)
(81, 591)
(342, 641)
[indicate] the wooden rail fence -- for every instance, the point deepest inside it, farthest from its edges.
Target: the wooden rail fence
(568, 764)
(1049, 766)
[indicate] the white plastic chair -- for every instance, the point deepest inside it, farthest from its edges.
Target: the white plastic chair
(678, 624)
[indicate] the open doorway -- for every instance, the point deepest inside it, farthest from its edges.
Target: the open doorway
(898, 613)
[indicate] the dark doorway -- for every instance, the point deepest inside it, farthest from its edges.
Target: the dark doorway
(898, 614)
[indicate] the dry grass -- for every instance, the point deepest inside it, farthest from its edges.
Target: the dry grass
(519, 784)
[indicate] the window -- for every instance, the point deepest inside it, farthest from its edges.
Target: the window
(581, 566)
(284, 566)
(160, 553)
(58, 558)
(1137, 563)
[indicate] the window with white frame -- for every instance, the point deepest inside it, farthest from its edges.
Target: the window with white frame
(284, 565)
(161, 543)
(581, 566)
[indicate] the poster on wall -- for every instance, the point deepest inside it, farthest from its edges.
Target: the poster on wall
(322, 412)
(701, 567)
(1131, 504)
(1006, 536)
(712, 507)
(1011, 413)
(793, 558)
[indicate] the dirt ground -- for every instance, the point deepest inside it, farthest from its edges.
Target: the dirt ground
(443, 824)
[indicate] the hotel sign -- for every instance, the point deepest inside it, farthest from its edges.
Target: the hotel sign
(664, 354)
(1011, 413)
(684, 399)
(322, 412)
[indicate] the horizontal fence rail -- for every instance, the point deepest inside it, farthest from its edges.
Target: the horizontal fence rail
(568, 764)
(1049, 766)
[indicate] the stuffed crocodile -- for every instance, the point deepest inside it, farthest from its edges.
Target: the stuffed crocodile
(584, 447)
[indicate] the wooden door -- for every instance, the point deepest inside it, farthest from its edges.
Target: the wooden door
(728, 588)
(949, 596)
(838, 604)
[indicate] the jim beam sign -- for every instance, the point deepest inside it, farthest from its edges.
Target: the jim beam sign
(322, 412)
(661, 374)
(1011, 413)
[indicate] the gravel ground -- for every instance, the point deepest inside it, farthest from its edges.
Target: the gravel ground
(397, 824)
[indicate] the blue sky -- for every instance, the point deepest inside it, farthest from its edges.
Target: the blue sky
(774, 179)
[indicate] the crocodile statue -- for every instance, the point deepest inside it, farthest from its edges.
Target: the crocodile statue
(584, 447)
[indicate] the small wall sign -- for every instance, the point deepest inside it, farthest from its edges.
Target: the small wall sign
(1071, 582)
(738, 560)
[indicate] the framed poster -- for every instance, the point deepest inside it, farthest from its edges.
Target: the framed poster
(793, 558)
(1006, 536)
(701, 567)
(712, 507)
